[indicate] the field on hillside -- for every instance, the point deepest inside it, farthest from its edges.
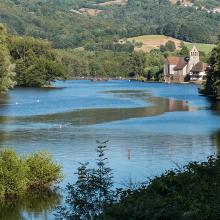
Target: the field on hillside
(201, 47)
(155, 41)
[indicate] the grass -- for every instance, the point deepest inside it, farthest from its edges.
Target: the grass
(155, 41)
(201, 47)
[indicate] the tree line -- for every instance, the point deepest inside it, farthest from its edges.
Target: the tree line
(25, 61)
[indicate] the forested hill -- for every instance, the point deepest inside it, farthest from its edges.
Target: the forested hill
(67, 23)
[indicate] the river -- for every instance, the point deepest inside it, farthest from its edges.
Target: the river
(151, 127)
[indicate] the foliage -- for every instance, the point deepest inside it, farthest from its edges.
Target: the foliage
(154, 65)
(137, 64)
(192, 193)
(92, 190)
(18, 175)
(13, 179)
(36, 65)
(42, 172)
(169, 46)
(212, 85)
(184, 51)
(54, 20)
(6, 68)
(96, 63)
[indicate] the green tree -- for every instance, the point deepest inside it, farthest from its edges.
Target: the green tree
(184, 51)
(92, 191)
(6, 68)
(36, 63)
(137, 64)
(212, 85)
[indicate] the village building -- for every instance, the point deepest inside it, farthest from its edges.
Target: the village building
(181, 69)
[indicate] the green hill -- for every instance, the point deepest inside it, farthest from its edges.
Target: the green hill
(62, 22)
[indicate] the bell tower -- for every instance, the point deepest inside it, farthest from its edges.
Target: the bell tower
(193, 58)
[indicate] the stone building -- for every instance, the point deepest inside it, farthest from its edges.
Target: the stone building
(180, 69)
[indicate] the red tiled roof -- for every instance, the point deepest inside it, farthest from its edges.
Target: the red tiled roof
(173, 60)
(199, 67)
(179, 62)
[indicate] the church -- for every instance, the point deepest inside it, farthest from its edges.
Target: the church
(180, 69)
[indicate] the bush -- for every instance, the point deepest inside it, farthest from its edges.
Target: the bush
(13, 179)
(42, 172)
(19, 175)
(192, 193)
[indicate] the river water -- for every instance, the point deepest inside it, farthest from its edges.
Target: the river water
(151, 127)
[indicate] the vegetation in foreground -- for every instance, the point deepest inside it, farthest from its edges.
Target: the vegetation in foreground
(187, 193)
(191, 193)
(19, 175)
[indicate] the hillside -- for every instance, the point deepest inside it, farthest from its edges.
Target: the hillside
(66, 26)
(150, 42)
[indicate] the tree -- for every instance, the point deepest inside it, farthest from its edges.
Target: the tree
(92, 191)
(169, 46)
(6, 68)
(184, 51)
(36, 63)
(137, 63)
(212, 85)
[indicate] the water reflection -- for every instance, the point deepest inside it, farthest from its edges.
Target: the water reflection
(158, 105)
(217, 140)
(215, 106)
(32, 206)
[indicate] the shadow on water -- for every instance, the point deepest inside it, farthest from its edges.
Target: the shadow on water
(26, 127)
(158, 105)
(215, 106)
(216, 138)
(29, 206)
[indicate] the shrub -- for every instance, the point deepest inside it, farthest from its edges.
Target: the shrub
(13, 180)
(18, 175)
(192, 193)
(42, 172)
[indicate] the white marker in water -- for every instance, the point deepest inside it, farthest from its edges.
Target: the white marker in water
(16, 103)
(38, 100)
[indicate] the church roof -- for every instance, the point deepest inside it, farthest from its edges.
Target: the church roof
(179, 62)
(199, 67)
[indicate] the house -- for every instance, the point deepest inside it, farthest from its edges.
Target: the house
(180, 69)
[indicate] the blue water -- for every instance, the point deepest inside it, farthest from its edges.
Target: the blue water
(160, 124)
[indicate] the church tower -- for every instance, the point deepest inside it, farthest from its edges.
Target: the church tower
(193, 58)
